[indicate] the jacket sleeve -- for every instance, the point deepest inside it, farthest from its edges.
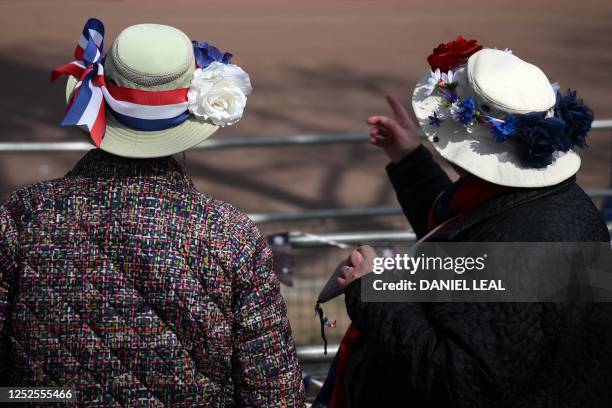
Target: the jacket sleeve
(8, 270)
(417, 180)
(265, 366)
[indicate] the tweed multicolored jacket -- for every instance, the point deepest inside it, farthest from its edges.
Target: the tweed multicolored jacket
(124, 281)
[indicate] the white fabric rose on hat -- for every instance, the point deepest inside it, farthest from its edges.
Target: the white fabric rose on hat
(218, 93)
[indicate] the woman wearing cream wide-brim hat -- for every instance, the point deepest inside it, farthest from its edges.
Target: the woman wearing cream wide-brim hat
(121, 280)
(512, 137)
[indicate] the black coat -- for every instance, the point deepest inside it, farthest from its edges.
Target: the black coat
(485, 354)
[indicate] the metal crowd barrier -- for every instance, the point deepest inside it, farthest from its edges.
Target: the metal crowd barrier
(346, 239)
(230, 143)
(227, 143)
(315, 354)
(291, 140)
(361, 211)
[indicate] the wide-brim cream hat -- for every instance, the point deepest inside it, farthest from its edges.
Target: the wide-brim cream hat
(501, 84)
(158, 58)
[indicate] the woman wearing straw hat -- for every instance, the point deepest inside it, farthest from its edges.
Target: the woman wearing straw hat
(511, 136)
(122, 281)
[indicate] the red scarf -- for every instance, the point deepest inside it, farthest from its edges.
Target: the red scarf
(349, 344)
(461, 198)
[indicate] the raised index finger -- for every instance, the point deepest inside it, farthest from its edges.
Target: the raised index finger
(400, 112)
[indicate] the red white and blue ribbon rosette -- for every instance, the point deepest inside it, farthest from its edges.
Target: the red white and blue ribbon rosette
(217, 93)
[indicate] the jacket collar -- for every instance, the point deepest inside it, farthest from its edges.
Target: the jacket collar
(100, 164)
(512, 198)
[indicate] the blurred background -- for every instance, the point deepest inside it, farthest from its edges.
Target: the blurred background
(317, 66)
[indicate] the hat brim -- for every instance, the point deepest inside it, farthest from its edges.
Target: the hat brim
(123, 141)
(479, 153)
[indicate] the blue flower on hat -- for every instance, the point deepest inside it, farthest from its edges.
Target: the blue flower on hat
(503, 130)
(577, 117)
(450, 95)
(205, 54)
(434, 120)
(467, 111)
(538, 138)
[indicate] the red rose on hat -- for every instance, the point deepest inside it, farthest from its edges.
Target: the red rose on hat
(451, 54)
